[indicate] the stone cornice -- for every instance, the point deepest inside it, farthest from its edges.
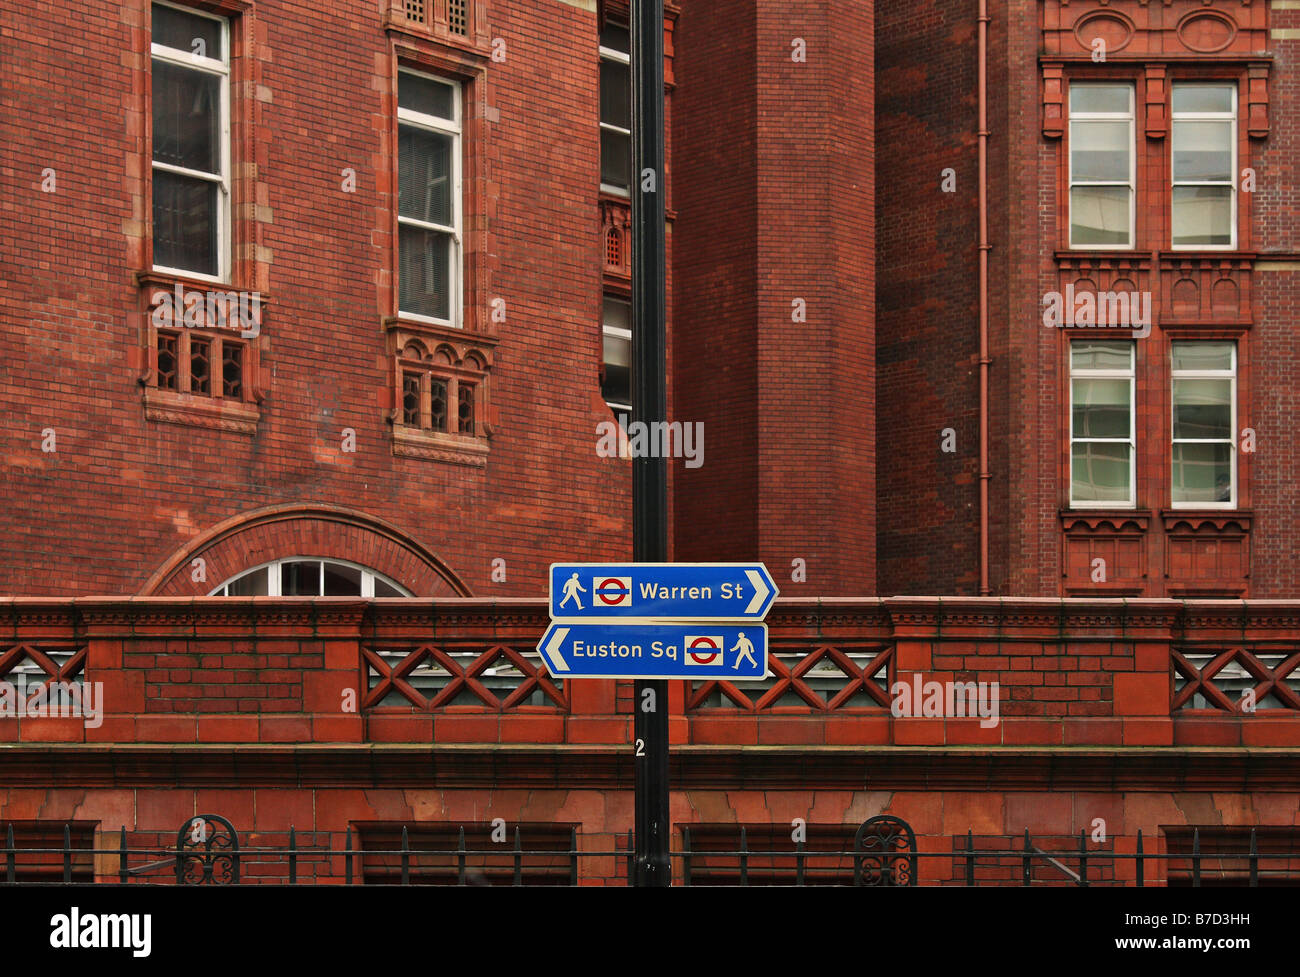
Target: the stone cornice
(844, 619)
(691, 768)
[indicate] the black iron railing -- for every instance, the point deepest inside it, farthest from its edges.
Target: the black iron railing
(883, 853)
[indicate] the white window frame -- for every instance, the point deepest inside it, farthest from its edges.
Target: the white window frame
(1131, 118)
(433, 123)
(1230, 374)
(622, 57)
(1174, 119)
(1129, 374)
(274, 583)
(188, 59)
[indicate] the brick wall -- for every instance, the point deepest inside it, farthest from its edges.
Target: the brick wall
(339, 670)
(775, 162)
(927, 259)
(70, 353)
(927, 267)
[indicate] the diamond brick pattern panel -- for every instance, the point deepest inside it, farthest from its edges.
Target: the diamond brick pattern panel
(826, 678)
(434, 677)
(41, 662)
(1222, 678)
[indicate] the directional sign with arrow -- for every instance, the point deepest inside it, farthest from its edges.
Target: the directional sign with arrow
(690, 651)
(662, 591)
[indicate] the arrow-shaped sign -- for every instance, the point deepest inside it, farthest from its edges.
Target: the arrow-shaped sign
(661, 591)
(655, 651)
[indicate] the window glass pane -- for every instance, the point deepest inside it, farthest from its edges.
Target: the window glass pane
(184, 223)
(300, 579)
(1100, 98)
(249, 585)
(1100, 472)
(1203, 98)
(1202, 356)
(342, 581)
(1100, 151)
(180, 30)
(617, 37)
(616, 94)
(424, 166)
(1101, 356)
(617, 388)
(1099, 215)
(1203, 151)
(615, 159)
(1101, 408)
(618, 352)
(1202, 473)
(424, 276)
(426, 95)
(618, 313)
(186, 116)
(1203, 409)
(384, 590)
(1202, 215)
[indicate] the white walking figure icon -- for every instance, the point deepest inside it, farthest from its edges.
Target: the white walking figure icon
(746, 648)
(571, 589)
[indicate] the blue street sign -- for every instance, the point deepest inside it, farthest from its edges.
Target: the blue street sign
(662, 591)
(655, 651)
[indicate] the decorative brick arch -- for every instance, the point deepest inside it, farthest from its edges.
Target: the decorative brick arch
(328, 532)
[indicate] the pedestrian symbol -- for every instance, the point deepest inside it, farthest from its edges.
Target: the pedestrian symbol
(571, 590)
(746, 649)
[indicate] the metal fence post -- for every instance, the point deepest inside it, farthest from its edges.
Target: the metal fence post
(1024, 861)
(970, 857)
(460, 856)
(519, 861)
(67, 853)
(1083, 859)
(293, 856)
(798, 863)
(406, 858)
(11, 867)
(686, 855)
(1196, 858)
(123, 875)
(631, 858)
(573, 856)
(744, 858)
(1141, 861)
(1254, 861)
(347, 857)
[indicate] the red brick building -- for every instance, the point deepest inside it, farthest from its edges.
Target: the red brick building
(303, 365)
(1165, 512)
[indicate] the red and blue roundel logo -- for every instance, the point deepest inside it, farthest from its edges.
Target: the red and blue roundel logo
(613, 591)
(704, 649)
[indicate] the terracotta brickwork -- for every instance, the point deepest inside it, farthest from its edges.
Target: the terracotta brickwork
(815, 147)
(774, 303)
(340, 670)
(145, 473)
(928, 258)
(243, 708)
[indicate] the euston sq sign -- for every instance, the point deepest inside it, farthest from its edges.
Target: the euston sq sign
(653, 650)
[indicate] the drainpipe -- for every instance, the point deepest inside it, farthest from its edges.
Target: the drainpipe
(985, 474)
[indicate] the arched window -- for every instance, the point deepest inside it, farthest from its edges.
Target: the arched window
(299, 576)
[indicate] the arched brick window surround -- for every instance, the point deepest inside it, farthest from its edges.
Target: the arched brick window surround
(253, 538)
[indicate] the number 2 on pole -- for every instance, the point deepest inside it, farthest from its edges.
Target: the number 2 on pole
(640, 747)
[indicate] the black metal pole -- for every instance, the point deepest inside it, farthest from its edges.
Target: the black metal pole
(649, 404)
